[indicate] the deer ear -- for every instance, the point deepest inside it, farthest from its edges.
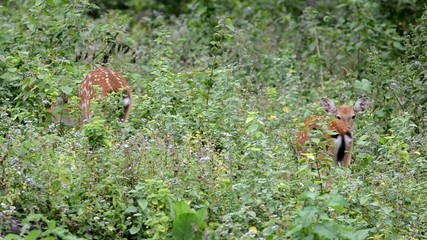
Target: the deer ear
(328, 106)
(361, 105)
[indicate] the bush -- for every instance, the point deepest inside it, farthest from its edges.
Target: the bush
(219, 90)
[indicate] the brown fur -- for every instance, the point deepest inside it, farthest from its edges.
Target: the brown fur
(108, 81)
(342, 124)
(318, 122)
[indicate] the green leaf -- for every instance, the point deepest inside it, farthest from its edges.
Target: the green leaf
(201, 215)
(181, 207)
(12, 70)
(356, 235)
(269, 231)
(185, 226)
(325, 230)
(49, 238)
(229, 24)
(201, 11)
(253, 128)
(131, 209)
(12, 237)
(331, 132)
(308, 195)
(33, 235)
(364, 85)
(338, 203)
(51, 224)
(142, 203)
(34, 217)
(134, 229)
(65, 89)
(308, 215)
(249, 119)
(252, 214)
(365, 200)
(308, 237)
(315, 141)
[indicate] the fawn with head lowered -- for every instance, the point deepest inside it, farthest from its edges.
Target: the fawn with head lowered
(339, 128)
(108, 82)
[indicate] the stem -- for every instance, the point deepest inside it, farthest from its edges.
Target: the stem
(319, 175)
(318, 54)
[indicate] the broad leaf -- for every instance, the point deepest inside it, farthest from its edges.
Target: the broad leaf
(185, 226)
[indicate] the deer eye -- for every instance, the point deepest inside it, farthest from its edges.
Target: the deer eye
(353, 117)
(338, 117)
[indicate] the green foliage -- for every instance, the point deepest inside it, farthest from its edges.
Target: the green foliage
(148, 209)
(319, 222)
(187, 223)
(219, 89)
(51, 231)
(96, 133)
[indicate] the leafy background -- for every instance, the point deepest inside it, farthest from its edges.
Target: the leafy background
(219, 90)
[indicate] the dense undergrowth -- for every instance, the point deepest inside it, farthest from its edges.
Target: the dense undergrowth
(219, 90)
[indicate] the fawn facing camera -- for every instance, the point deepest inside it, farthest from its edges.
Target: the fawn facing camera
(339, 129)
